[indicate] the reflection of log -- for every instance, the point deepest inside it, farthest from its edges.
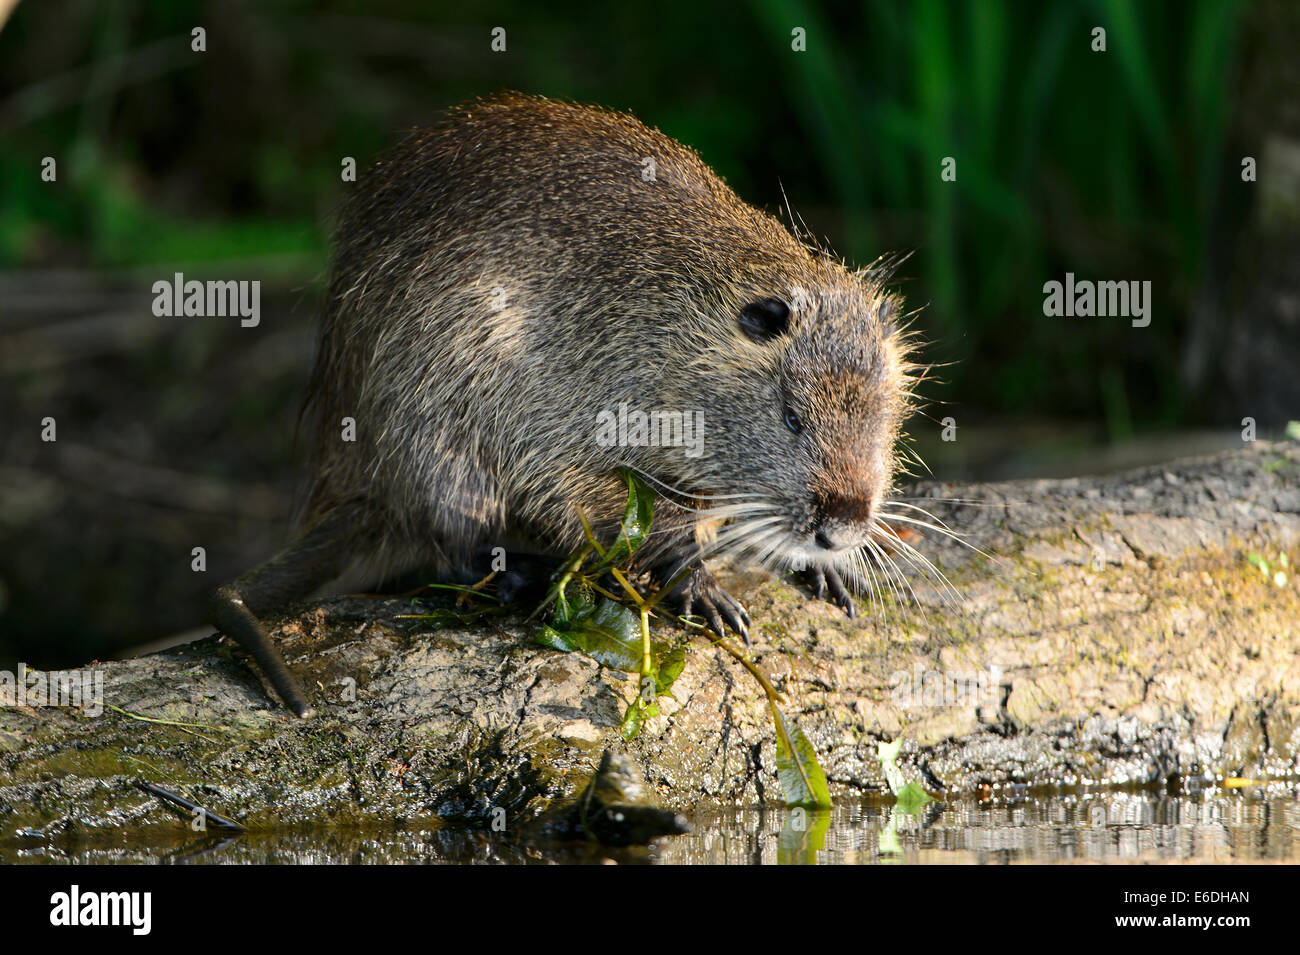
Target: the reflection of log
(1121, 635)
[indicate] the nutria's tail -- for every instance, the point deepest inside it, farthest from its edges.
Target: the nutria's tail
(316, 556)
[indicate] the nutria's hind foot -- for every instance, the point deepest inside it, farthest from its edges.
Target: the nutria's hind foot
(701, 591)
(514, 586)
(523, 580)
(826, 584)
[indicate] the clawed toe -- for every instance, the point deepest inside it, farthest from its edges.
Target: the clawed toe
(826, 584)
(702, 594)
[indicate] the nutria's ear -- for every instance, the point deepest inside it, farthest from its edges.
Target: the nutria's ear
(765, 320)
(887, 313)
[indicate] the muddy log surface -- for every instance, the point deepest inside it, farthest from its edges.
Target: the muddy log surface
(1119, 635)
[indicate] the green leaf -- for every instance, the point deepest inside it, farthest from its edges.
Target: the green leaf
(576, 603)
(631, 724)
(638, 515)
(637, 713)
(554, 639)
(610, 634)
(669, 663)
(606, 631)
(910, 795)
(801, 776)
(888, 839)
(887, 753)
(563, 609)
(911, 798)
(802, 836)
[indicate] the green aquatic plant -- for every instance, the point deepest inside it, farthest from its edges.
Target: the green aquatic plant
(610, 622)
(909, 795)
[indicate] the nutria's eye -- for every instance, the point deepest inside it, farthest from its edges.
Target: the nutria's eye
(765, 320)
(792, 420)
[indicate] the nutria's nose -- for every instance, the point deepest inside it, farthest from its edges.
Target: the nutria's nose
(824, 541)
(851, 508)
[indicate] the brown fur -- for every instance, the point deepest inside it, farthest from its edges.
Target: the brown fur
(476, 420)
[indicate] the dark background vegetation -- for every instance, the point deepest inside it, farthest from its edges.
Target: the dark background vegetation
(178, 433)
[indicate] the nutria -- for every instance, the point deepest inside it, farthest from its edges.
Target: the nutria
(526, 269)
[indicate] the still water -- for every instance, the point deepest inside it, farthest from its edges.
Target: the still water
(1216, 826)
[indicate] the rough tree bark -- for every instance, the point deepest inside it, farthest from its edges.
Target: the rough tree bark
(1121, 632)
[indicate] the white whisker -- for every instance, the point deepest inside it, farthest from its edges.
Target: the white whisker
(921, 562)
(945, 531)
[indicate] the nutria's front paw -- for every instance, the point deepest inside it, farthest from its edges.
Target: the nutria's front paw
(701, 592)
(826, 584)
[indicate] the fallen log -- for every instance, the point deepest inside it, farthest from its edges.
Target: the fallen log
(1132, 629)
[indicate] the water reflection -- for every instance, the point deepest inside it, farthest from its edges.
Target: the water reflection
(1110, 828)
(1213, 827)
